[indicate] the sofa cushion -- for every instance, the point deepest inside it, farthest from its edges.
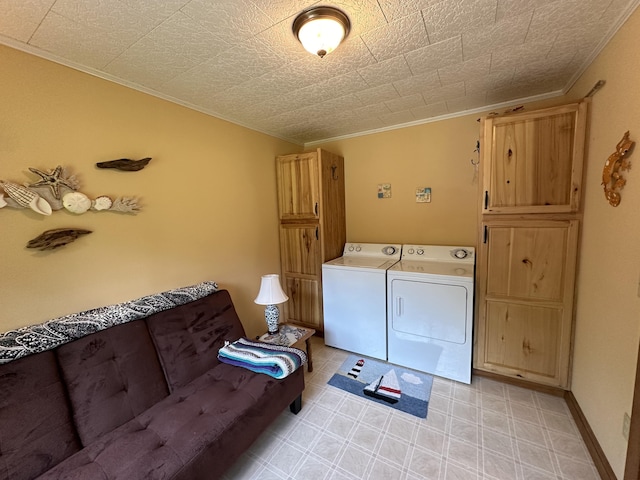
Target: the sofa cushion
(37, 430)
(195, 433)
(112, 376)
(188, 337)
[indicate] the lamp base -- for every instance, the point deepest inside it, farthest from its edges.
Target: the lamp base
(271, 316)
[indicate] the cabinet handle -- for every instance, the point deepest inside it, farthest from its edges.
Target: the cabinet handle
(485, 234)
(333, 172)
(317, 237)
(486, 199)
(315, 209)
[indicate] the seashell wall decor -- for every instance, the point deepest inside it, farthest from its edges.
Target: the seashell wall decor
(76, 202)
(26, 198)
(57, 190)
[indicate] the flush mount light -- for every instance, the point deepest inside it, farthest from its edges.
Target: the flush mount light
(321, 29)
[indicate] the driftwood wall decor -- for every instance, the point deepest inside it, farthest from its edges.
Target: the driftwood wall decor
(56, 238)
(616, 163)
(125, 164)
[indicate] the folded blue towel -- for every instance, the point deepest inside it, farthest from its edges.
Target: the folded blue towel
(274, 360)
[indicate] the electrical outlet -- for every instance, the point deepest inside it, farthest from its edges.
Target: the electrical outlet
(626, 423)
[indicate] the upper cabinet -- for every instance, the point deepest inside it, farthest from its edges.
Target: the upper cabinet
(298, 186)
(532, 162)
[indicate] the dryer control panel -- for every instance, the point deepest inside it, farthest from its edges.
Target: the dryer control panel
(439, 253)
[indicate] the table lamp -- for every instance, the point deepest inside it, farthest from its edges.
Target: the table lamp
(271, 295)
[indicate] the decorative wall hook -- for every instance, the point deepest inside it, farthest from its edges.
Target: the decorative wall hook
(477, 152)
(617, 162)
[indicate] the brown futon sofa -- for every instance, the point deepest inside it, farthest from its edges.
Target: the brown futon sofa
(146, 399)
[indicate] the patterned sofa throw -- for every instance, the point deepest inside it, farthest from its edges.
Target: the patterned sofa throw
(273, 360)
(53, 333)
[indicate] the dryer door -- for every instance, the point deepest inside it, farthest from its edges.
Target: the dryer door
(430, 310)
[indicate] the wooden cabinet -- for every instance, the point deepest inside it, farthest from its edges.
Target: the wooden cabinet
(527, 284)
(298, 186)
(533, 161)
(312, 229)
(530, 220)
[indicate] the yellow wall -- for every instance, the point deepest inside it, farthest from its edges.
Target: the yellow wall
(210, 207)
(608, 308)
(208, 196)
(436, 155)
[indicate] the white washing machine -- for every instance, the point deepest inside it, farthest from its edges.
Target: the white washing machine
(430, 310)
(354, 293)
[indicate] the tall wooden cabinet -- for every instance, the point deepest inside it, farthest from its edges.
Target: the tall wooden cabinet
(530, 218)
(311, 208)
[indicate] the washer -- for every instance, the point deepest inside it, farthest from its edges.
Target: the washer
(354, 293)
(430, 310)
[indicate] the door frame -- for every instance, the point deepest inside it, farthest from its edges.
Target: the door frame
(632, 465)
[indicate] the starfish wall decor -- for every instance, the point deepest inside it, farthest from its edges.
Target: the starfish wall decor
(53, 180)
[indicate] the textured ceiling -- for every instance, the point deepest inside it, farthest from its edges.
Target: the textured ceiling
(405, 61)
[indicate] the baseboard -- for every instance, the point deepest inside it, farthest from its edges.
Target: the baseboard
(556, 391)
(590, 440)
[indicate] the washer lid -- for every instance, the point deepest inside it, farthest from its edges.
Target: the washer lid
(456, 270)
(361, 262)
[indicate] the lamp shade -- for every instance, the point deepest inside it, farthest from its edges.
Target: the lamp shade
(320, 30)
(271, 292)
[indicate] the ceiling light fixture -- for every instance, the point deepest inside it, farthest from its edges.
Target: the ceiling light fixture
(320, 30)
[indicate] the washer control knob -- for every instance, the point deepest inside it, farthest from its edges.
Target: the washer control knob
(460, 253)
(350, 248)
(358, 248)
(420, 251)
(390, 250)
(411, 251)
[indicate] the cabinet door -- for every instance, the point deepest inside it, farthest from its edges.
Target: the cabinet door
(298, 191)
(304, 304)
(300, 249)
(533, 161)
(526, 274)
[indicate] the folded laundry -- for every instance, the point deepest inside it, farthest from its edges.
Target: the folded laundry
(274, 360)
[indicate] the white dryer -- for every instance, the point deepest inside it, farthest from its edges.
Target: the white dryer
(354, 293)
(430, 310)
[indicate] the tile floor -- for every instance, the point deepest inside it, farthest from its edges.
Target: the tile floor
(486, 430)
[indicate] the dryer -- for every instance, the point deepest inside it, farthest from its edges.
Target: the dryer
(354, 293)
(430, 310)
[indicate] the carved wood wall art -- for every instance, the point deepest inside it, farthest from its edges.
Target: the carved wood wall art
(58, 237)
(616, 163)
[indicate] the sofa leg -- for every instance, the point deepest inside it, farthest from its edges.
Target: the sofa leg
(296, 405)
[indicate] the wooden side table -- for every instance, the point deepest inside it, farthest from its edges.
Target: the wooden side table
(289, 335)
